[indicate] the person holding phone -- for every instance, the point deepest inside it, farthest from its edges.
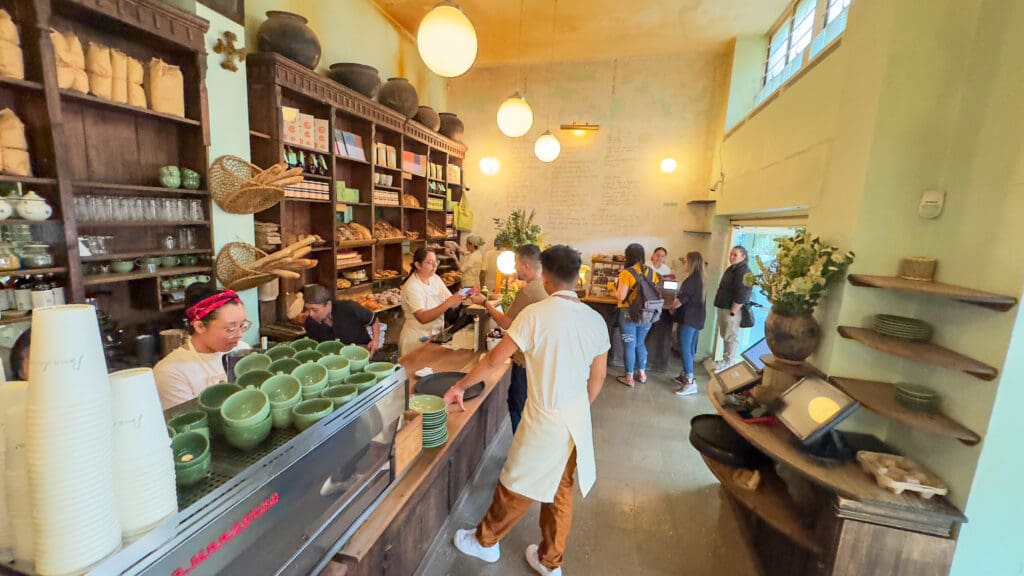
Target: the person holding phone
(425, 299)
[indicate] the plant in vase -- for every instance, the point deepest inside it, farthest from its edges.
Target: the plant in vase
(801, 275)
(516, 230)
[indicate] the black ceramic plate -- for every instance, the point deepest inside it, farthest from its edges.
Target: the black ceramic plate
(713, 437)
(439, 383)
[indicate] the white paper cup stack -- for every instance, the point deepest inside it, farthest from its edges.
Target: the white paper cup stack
(70, 442)
(12, 394)
(143, 462)
(19, 505)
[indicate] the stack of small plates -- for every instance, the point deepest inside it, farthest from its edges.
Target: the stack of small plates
(902, 327)
(435, 418)
(916, 397)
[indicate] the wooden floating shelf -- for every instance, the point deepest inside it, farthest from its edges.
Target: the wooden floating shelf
(701, 202)
(308, 200)
(388, 168)
(28, 180)
(699, 232)
(85, 98)
(143, 253)
(380, 205)
(119, 224)
(322, 249)
(308, 176)
(960, 294)
(34, 271)
(164, 272)
(924, 352)
(386, 241)
(413, 208)
(154, 190)
(880, 397)
(354, 204)
(347, 159)
(304, 149)
(800, 370)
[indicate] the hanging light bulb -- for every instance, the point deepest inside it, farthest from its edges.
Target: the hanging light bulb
(547, 147)
(668, 165)
(490, 165)
(446, 40)
(515, 117)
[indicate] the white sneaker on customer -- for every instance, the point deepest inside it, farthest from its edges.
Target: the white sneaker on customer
(533, 559)
(687, 389)
(722, 365)
(466, 542)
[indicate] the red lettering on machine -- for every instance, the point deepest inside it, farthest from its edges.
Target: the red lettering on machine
(228, 535)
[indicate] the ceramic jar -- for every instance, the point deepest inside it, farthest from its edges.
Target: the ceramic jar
(288, 35)
(170, 176)
(36, 256)
(428, 117)
(791, 337)
(359, 77)
(399, 95)
(6, 210)
(451, 126)
(34, 207)
(190, 179)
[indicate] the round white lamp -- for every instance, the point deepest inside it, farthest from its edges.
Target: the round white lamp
(507, 262)
(668, 165)
(515, 117)
(490, 165)
(547, 147)
(446, 40)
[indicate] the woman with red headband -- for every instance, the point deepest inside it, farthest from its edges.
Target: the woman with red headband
(216, 322)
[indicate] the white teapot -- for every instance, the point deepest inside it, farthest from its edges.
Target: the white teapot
(32, 206)
(6, 210)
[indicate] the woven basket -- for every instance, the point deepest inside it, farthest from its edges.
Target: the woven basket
(918, 268)
(233, 190)
(233, 266)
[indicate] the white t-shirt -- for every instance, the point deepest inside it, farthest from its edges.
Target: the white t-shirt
(664, 271)
(184, 373)
(416, 296)
(472, 264)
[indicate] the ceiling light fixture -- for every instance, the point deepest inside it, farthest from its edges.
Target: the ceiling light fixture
(490, 165)
(446, 40)
(515, 117)
(580, 129)
(547, 147)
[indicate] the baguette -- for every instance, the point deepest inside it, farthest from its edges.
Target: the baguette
(286, 274)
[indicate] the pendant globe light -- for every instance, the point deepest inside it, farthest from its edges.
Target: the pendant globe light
(515, 117)
(547, 147)
(446, 40)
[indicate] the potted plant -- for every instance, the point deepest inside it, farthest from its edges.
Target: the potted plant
(801, 275)
(516, 230)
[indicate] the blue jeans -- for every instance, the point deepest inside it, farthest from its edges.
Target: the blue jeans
(688, 347)
(634, 342)
(516, 395)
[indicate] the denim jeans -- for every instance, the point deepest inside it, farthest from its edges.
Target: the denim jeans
(516, 395)
(634, 342)
(688, 347)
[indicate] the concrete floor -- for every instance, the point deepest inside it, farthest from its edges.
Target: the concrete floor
(655, 508)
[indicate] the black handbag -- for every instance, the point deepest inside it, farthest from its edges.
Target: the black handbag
(747, 315)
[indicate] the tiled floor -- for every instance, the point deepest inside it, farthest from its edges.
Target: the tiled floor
(655, 509)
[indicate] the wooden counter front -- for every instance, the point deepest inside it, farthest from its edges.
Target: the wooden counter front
(396, 536)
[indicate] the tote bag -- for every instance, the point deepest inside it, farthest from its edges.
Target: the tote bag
(463, 217)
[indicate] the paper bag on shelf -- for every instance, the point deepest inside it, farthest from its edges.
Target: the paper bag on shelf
(67, 51)
(81, 81)
(12, 61)
(136, 93)
(12, 130)
(165, 88)
(119, 76)
(98, 66)
(136, 96)
(16, 162)
(8, 29)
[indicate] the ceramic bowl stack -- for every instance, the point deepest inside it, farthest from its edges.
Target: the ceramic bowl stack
(917, 398)
(281, 351)
(380, 369)
(14, 479)
(340, 395)
(251, 362)
(902, 327)
(313, 378)
(284, 392)
(357, 356)
(211, 399)
(308, 356)
(283, 366)
(143, 462)
(69, 424)
(330, 347)
(337, 369)
(303, 344)
(309, 412)
(435, 418)
(363, 381)
(246, 417)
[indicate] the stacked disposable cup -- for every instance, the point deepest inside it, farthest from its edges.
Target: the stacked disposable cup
(143, 461)
(19, 505)
(11, 394)
(69, 428)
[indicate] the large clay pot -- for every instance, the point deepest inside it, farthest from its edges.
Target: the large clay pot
(288, 35)
(428, 117)
(359, 77)
(791, 338)
(399, 95)
(451, 126)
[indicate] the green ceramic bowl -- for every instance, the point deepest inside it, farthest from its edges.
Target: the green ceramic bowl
(252, 362)
(193, 474)
(329, 347)
(282, 417)
(280, 351)
(311, 375)
(195, 421)
(211, 399)
(358, 357)
(171, 433)
(303, 344)
(249, 437)
(363, 381)
(380, 369)
(254, 378)
(337, 368)
(189, 448)
(308, 356)
(244, 409)
(283, 366)
(340, 395)
(283, 390)
(309, 412)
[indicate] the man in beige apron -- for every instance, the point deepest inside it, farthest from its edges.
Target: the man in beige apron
(565, 344)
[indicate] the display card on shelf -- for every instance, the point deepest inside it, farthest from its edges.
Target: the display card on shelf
(339, 142)
(306, 139)
(321, 135)
(354, 146)
(291, 132)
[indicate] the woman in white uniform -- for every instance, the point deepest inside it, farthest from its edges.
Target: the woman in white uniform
(217, 322)
(425, 299)
(472, 262)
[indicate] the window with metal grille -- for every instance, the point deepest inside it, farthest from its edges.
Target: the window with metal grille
(803, 26)
(835, 8)
(777, 50)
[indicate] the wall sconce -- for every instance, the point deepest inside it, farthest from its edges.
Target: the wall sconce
(580, 129)
(668, 165)
(490, 165)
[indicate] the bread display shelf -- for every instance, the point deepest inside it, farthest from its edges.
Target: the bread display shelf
(356, 243)
(879, 397)
(925, 352)
(959, 293)
(27, 180)
(6, 82)
(353, 265)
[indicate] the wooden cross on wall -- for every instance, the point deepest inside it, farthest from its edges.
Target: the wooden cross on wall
(226, 46)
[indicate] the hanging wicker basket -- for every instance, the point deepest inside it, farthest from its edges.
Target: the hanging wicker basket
(235, 186)
(234, 266)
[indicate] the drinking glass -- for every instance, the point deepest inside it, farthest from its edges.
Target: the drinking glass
(196, 210)
(151, 209)
(167, 209)
(137, 212)
(181, 209)
(186, 239)
(106, 208)
(81, 208)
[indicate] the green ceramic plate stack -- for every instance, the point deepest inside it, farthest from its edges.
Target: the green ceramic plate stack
(916, 397)
(902, 327)
(435, 418)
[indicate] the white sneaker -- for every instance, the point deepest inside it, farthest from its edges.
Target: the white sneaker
(466, 542)
(533, 559)
(687, 389)
(722, 365)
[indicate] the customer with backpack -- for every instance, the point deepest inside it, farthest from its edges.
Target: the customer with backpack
(640, 305)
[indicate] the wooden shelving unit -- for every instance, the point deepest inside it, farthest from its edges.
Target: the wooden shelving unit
(924, 352)
(162, 273)
(879, 397)
(989, 300)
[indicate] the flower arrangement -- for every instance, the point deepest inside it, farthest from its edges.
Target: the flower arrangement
(516, 230)
(801, 274)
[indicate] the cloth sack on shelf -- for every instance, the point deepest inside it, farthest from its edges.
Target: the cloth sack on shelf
(136, 93)
(8, 29)
(67, 50)
(12, 130)
(97, 65)
(12, 62)
(165, 88)
(119, 76)
(16, 162)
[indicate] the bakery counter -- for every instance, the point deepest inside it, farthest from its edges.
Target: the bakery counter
(395, 537)
(659, 339)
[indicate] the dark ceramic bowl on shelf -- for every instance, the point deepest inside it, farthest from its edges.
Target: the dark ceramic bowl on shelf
(428, 117)
(359, 77)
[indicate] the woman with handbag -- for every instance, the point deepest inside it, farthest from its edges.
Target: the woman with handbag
(688, 311)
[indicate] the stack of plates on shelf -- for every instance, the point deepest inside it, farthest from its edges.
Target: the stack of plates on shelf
(916, 397)
(902, 327)
(435, 418)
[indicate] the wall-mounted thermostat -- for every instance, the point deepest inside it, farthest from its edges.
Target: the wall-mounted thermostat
(931, 204)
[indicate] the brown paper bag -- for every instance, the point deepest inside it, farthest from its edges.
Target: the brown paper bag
(98, 66)
(136, 96)
(165, 88)
(60, 48)
(65, 77)
(76, 57)
(12, 63)
(119, 76)
(81, 83)
(135, 73)
(8, 29)
(12, 130)
(16, 162)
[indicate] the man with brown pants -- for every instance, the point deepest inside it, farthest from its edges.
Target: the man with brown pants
(565, 344)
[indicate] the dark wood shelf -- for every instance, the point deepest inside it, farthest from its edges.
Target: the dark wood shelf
(354, 265)
(801, 370)
(959, 293)
(701, 202)
(6, 82)
(380, 205)
(308, 200)
(354, 204)
(924, 352)
(19, 320)
(438, 210)
(356, 243)
(437, 195)
(317, 177)
(387, 168)
(86, 98)
(348, 159)
(391, 188)
(420, 208)
(322, 249)
(387, 241)
(28, 180)
(255, 134)
(142, 254)
(880, 397)
(138, 188)
(304, 149)
(162, 273)
(698, 232)
(34, 271)
(125, 224)
(24, 221)
(360, 287)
